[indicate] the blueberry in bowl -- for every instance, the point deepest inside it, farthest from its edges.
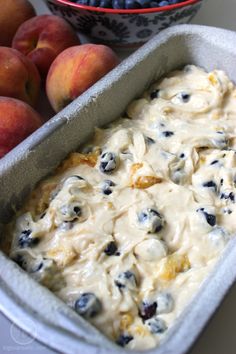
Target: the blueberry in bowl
(127, 4)
(124, 23)
(88, 305)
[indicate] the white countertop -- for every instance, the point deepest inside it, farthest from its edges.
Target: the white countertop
(219, 336)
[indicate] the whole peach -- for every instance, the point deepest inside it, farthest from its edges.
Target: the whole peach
(75, 70)
(42, 38)
(17, 121)
(19, 77)
(12, 14)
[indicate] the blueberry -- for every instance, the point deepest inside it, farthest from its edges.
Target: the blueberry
(178, 176)
(223, 196)
(105, 3)
(43, 268)
(163, 3)
(74, 178)
(167, 133)
(220, 143)
(185, 97)
(88, 305)
(111, 248)
(118, 4)
(126, 280)
(38, 266)
(70, 211)
(210, 184)
(21, 261)
(144, 3)
(83, 2)
(227, 211)
(125, 4)
(149, 140)
(106, 186)
(229, 196)
(124, 339)
(165, 303)
(66, 225)
(151, 220)
(132, 4)
(154, 4)
(94, 3)
(147, 310)
(29, 263)
(156, 325)
(154, 94)
(210, 219)
(218, 235)
(108, 162)
(214, 162)
(34, 265)
(77, 210)
(26, 240)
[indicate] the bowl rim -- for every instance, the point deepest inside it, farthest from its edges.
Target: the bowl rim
(128, 11)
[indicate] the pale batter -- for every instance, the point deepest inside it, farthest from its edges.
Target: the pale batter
(125, 231)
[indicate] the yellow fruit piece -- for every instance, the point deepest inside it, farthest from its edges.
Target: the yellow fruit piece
(45, 197)
(53, 252)
(213, 79)
(110, 205)
(141, 331)
(126, 321)
(202, 160)
(172, 265)
(167, 110)
(135, 167)
(40, 197)
(75, 159)
(143, 182)
(215, 115)
(63, 257)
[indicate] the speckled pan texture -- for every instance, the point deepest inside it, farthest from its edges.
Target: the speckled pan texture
(33, 307)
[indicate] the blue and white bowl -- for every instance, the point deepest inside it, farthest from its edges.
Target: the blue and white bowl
(123, 28)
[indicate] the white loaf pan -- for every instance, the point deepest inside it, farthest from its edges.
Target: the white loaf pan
(31, 306)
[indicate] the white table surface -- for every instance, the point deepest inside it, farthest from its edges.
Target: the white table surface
(219, 337)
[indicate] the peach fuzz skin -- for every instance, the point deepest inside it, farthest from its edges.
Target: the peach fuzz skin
(42, 38)
(75, 70)
(19, 77)
(12, 14)
(17, 121)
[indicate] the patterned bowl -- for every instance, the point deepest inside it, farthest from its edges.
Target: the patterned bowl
(123, 28)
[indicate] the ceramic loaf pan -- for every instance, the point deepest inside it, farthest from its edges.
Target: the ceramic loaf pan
(33, 307)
